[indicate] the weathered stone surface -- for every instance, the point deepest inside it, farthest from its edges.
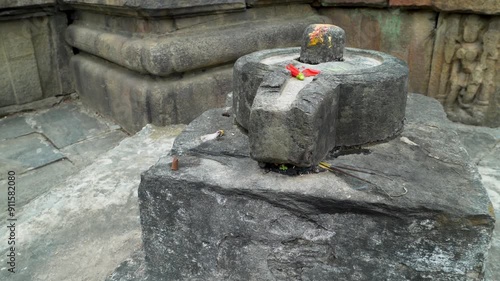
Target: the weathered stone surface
(410, 3)
(20, 76)
(376, 3)
(85, 152)
(199, 223)
(19, 154)
(52, 54)
(372, 91)
(14, 127)
(67, 125)
(182, 51)
(37, 182)
(322, 43)
(35, 61)
(40, 104)
(408, 35)
(480, 7)
(133, 268)
(293, 122)
(66, 219)
(162, 26)
(465, 73)
(134, 100)
(25, 3)
(252, 3)
(159, 8)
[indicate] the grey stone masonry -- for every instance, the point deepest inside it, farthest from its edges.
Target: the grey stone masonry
(34, 60)
(221, 217)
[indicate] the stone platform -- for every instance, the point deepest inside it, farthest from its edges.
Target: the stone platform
(221, 217)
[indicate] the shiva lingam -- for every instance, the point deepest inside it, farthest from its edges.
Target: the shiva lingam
(347, 97)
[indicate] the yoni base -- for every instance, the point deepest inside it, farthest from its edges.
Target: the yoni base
(221, 217)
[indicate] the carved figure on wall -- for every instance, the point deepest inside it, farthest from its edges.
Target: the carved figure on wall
(465, 77)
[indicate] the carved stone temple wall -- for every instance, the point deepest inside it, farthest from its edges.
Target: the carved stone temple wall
(451, 47)
(165, 62)
(465, 74)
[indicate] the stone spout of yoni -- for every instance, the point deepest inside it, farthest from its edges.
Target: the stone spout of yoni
(293, 121)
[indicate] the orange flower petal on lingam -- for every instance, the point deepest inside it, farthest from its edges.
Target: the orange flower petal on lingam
(295, 72)
(310, 72)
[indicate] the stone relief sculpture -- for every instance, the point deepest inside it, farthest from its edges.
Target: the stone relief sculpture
(465, 76)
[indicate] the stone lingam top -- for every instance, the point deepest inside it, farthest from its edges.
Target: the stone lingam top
(359, 97)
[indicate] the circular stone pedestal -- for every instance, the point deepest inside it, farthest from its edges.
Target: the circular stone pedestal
(356, 101)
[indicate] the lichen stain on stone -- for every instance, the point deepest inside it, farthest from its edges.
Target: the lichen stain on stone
(478, 220)
(391, 26)
(491, 210)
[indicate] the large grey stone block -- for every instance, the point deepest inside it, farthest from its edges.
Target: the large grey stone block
(20, 61)
(134, 100)
(220, 217)
(35, 64)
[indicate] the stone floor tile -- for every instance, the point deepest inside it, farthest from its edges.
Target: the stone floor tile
(26, 153)
(68, 124)
(85, 152)
(15, 126)
(34, 183)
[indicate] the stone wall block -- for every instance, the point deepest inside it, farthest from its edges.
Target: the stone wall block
(52, 54)
(355, 3)
(490, 7)
(135, 100)
(465, 74)
(35, 56)
(159, 8)
(8, 96)
(21, 62)
(253, 3)
(408, 35)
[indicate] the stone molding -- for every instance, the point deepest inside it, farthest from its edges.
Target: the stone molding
(159, 8)
(490, 7)
(179, 52)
